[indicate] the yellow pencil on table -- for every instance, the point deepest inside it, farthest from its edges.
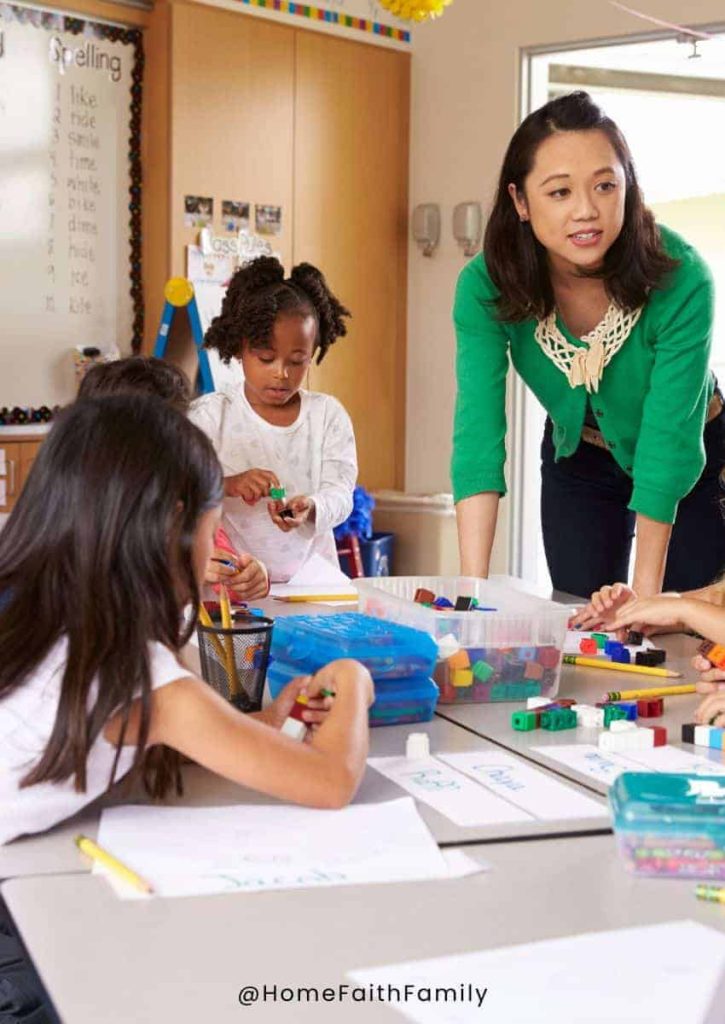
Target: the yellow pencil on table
(302, 598)
(231, 667)
(713, 893)
(618, 666)
(655, 691)
(97, 853)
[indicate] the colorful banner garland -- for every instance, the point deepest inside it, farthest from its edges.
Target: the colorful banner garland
(400, 35)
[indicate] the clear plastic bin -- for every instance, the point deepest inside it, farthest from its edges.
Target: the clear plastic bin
(670, 825)
(513, 652)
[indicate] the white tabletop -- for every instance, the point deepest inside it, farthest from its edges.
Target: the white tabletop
(54, 851)
(185, 960)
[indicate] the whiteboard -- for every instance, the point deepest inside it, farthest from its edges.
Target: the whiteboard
(65, 173)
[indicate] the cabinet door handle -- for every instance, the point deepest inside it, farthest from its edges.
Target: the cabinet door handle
(11, 464)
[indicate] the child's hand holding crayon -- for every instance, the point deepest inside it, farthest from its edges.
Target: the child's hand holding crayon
(319, 702)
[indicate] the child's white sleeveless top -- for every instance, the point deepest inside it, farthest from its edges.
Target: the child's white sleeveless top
(27, 715)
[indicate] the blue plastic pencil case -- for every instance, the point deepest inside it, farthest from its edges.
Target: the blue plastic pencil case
(387, 649)
(397, 701)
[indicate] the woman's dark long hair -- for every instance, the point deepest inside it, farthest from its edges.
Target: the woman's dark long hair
(634, 265)
(98, 550)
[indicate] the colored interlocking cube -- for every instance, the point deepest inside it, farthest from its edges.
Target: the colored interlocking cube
(651, 708)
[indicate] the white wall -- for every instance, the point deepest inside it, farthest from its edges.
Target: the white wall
(465, 102)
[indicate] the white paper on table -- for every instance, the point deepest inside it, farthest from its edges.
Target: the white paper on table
(575, 636)
(3, 490)
(524, 786)
(605, 766)
(667, 972)
(3, 464)
(447, 791)
(673, 759)
(187, 851)
(315, 576)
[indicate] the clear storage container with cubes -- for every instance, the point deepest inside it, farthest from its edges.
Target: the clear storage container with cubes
(507, 649)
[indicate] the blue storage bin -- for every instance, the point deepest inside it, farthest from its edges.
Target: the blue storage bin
(397, 701)
(671, 825)
(377, 554)
(387, 649)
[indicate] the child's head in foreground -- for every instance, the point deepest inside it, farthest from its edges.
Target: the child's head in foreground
(107, 543)
(138, 375)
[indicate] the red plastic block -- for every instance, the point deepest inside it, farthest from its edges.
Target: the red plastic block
(447, 694)
(653, 708)
(588, 646)
(660, 734)
(548, 656)
(423, 596)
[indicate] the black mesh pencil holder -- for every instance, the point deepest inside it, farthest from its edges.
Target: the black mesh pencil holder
(234, 661)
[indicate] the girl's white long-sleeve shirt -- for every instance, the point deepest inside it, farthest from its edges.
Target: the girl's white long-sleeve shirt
(315, 456)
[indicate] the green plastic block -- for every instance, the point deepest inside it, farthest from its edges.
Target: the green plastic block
(498, 692)
(532, 689)
(563, 718)
(278, 493)
(601, 639)
(524, 721)
(483, 671)
(613, 713)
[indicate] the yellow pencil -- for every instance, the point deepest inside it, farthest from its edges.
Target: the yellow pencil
(206, 621)
(714, 893)
(226, 610)
(655, 691)
(96, 852)
(618, 666)
(302, 598)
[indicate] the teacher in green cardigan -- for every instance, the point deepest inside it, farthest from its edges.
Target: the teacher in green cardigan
(607, 317)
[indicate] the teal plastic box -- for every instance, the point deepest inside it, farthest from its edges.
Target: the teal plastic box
(388, 650)
(397, 701)
(671, 825)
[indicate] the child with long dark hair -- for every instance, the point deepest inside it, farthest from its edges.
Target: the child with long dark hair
(244, 575)
(105, 547)
(272, 432)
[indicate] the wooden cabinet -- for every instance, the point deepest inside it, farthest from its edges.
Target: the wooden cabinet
(350, 218)
(17, 455)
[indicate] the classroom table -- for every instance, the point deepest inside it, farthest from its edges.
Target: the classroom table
(185, 960)
(54, 851)
(588, 685)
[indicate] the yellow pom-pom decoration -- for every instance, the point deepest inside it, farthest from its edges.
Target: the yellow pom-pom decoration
(416, 10)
